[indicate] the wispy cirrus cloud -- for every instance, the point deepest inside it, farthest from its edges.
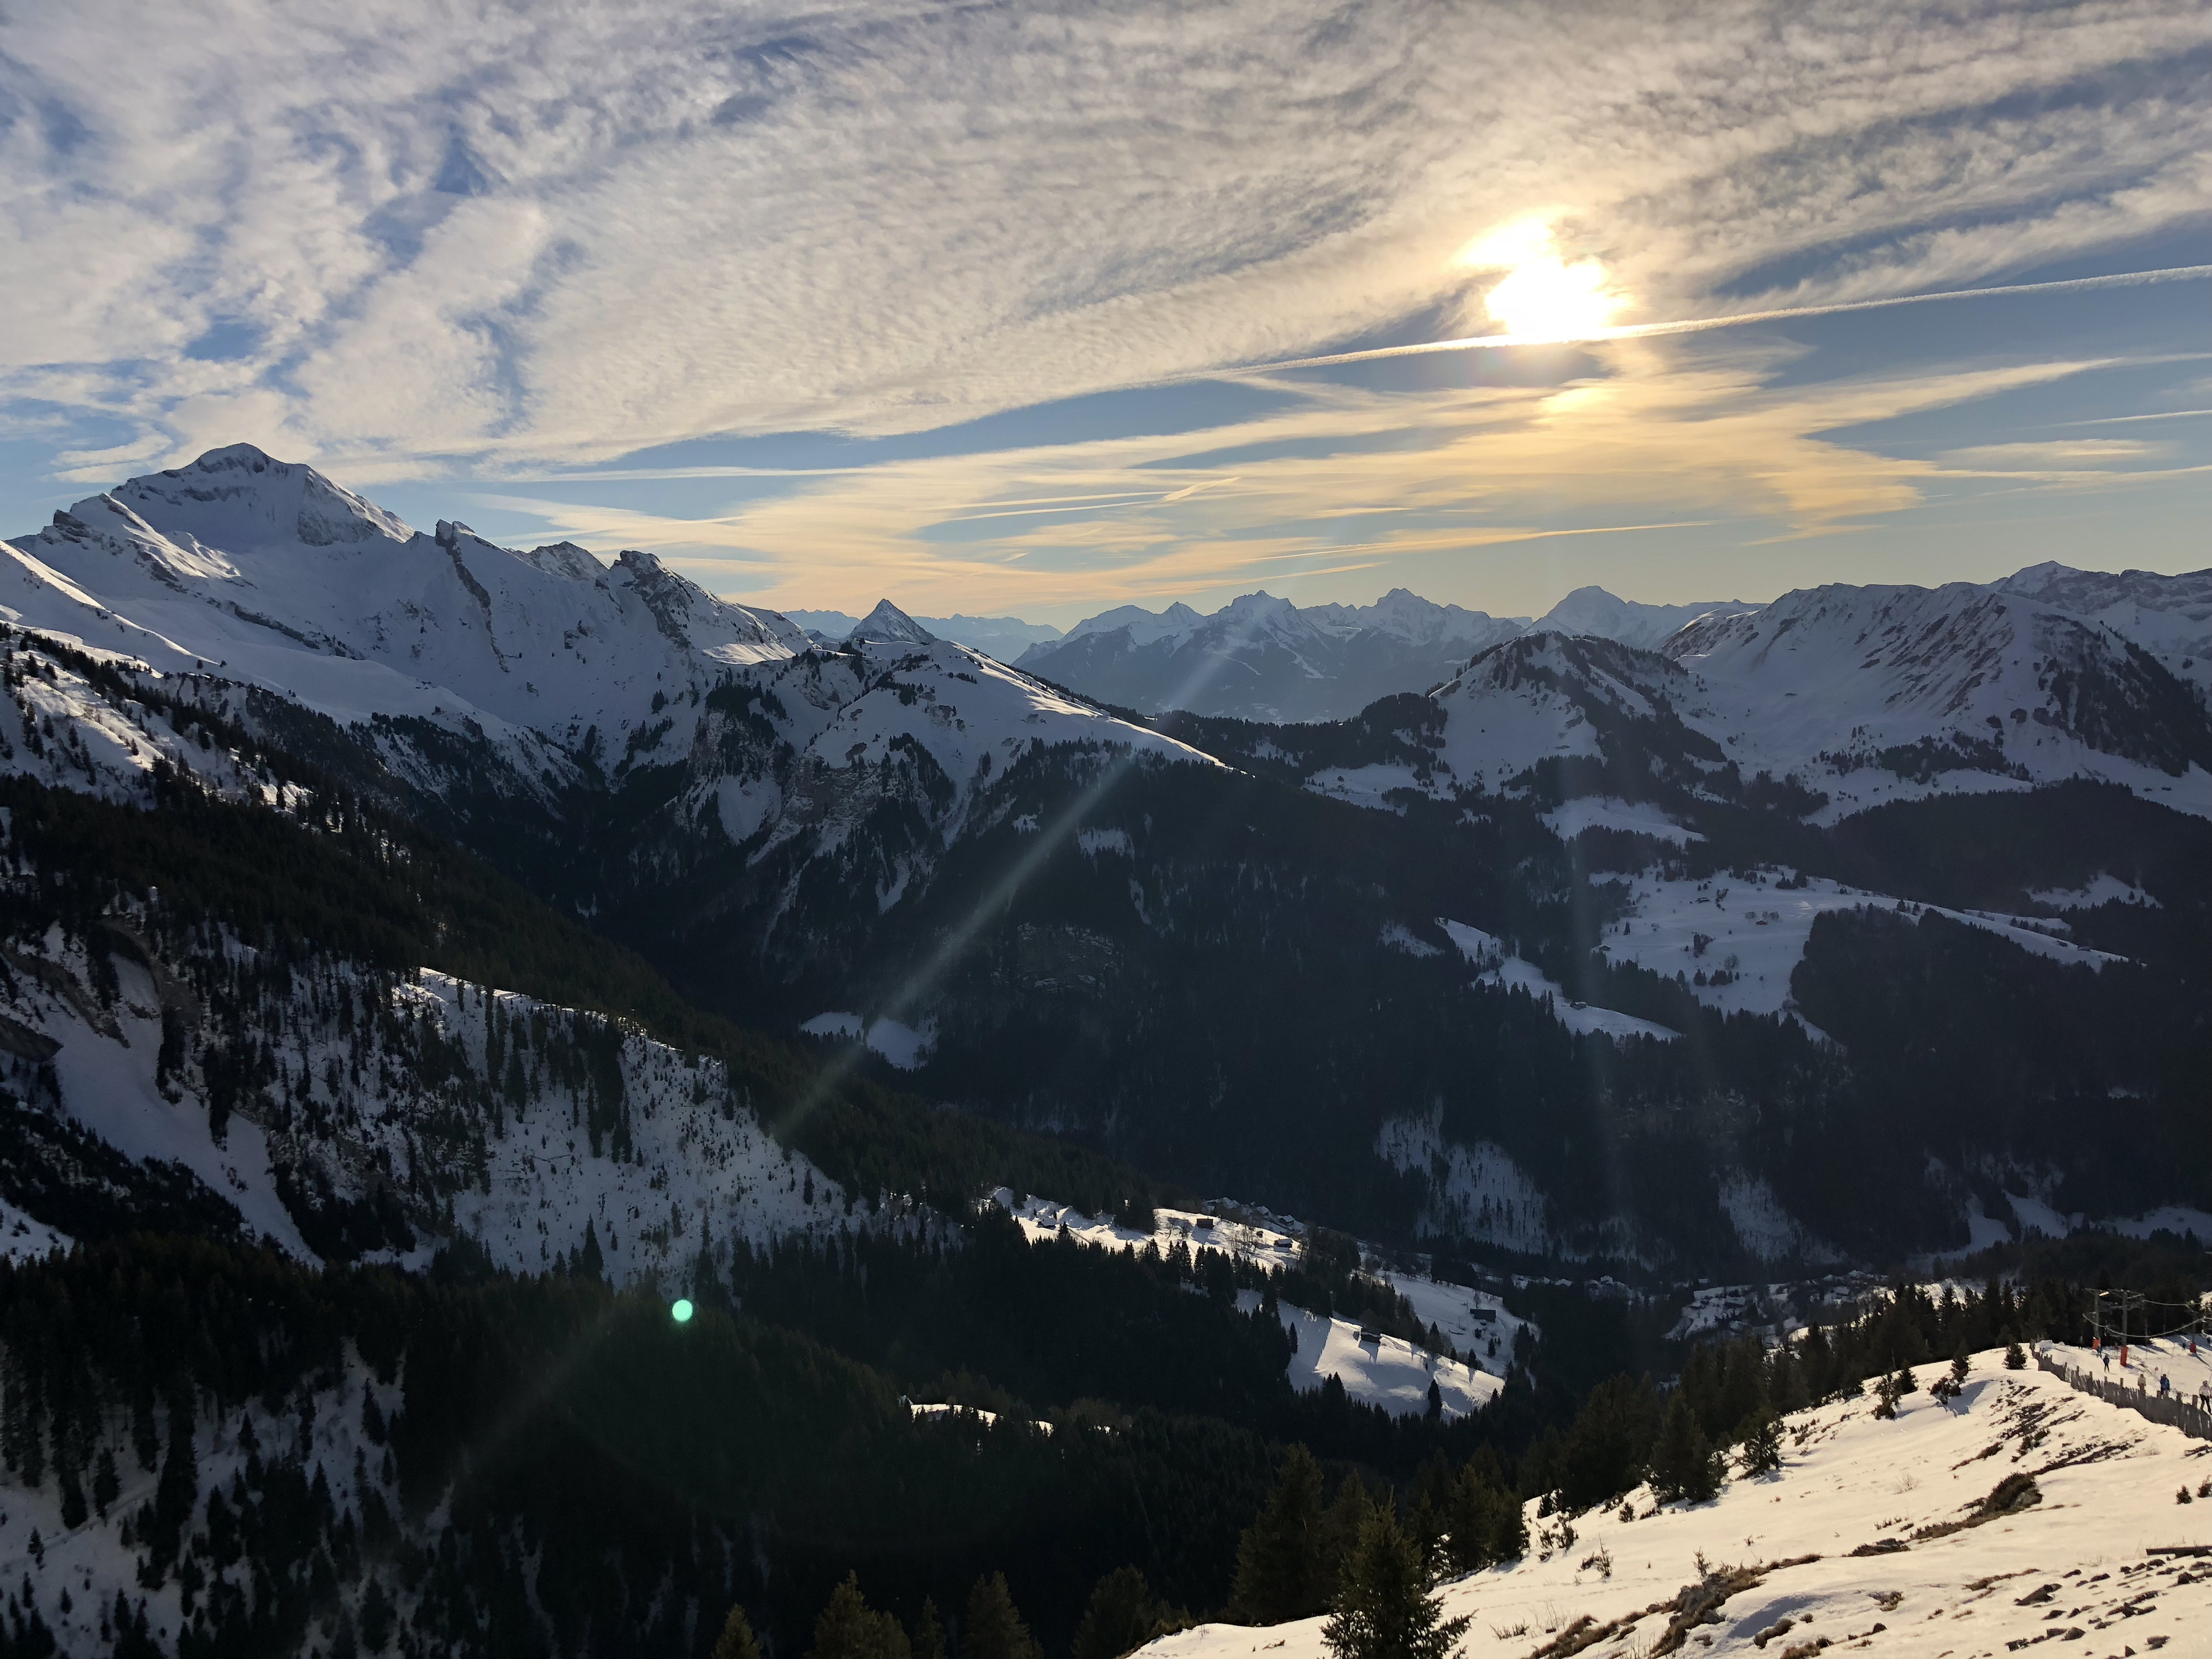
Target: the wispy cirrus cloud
(501, 235)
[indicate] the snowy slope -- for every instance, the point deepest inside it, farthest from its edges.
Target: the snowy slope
(446, 1108)
(1850, 1544)
(1475, 1322)
(1738, 941)
(2169, 616)
(1380, 1371)
(1503, 971)
(1998, 692)
(1476, 1191)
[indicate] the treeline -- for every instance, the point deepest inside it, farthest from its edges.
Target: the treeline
(1731, 1394)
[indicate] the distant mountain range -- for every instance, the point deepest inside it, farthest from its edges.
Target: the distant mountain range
(1265, 659)
(1262, 658)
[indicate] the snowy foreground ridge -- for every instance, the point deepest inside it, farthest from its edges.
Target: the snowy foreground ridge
(1855, 1544)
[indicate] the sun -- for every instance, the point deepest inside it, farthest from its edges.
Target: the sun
(1544, 296)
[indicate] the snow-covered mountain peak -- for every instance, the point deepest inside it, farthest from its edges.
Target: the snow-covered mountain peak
(693, 619)
(1407, 615)
(1143, 627)
(1593, 610)
(274, 575)
(237, 498)
(565, 559)
(887, 623)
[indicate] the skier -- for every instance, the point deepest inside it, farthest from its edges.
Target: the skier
(2165, 1388)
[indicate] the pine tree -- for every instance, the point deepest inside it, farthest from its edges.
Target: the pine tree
(1885, 1397)
(105, 1483)
(1961, 1366)
(1762, 1447)
(176, 1494)
(2015, 1357)
(1340, 1527)
(1384, 1609)
(590, 1262)
(995, 1630)
(736, 1641)
(1122, 1617)
(74, 1511)
(850, 1629)
(1470, 1547)
(1280, 1572)
(1426, 1526)
(1683, 1462)
(376, 1617)
(929, 1632)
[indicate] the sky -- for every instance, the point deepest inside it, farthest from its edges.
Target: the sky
(984, 309)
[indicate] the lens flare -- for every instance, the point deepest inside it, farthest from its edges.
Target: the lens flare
(680, 1310)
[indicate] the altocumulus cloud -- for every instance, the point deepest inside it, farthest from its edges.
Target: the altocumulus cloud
(397, 238)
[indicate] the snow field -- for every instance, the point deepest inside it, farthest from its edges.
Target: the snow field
(1391, 1373)
(1503, 972)
(405, 1095)
(1381, 1370)
(1473, 1321)
(1756, 933)
(1571, 818)
(904, 1046)
(2108, 1479)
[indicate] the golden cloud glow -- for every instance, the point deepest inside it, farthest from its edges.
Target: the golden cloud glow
(1346, 479)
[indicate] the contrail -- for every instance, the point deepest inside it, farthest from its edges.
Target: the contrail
(1699, 325)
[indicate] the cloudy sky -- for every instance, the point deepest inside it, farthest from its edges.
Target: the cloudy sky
(977, 306)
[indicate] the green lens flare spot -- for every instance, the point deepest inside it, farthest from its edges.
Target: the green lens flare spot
(680, 1310)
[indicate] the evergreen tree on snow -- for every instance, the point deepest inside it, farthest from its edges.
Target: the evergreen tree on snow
(1280, 1568)
(1762, 1447)
(1384, 1609)
(1122, 1616)
(995, 1630)
(1684, 1466)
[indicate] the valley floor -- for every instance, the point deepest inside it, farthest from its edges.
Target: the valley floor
(1787, 1555)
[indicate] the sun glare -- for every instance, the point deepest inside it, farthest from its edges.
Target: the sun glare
(1543, 295)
